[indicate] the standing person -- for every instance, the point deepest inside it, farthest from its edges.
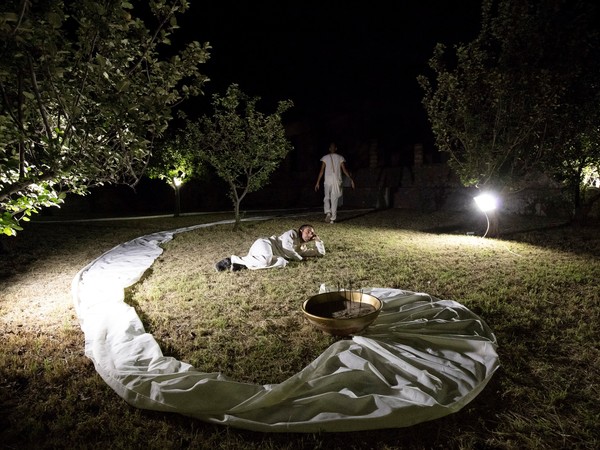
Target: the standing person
(332, 166)
(276, 251)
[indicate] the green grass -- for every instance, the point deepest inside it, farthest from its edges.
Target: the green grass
(537, 288)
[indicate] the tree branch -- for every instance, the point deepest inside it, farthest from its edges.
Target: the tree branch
(24, 5)
(151, 42)
(38, 97)
(14, 188)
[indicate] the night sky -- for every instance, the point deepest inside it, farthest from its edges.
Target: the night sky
(329, 57)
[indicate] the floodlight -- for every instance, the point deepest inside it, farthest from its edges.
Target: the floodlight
(486, 202)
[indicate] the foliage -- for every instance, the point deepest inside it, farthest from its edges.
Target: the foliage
(577, 166)
(578, 119)
(174, 160)
(506, 107)
(486, 111)
(243, 145)
(175, 163)
(84, 90)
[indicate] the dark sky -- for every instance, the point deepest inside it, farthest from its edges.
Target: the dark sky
(329, 56)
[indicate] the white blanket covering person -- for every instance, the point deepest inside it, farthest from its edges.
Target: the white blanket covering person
(277, 251)
(421, 359)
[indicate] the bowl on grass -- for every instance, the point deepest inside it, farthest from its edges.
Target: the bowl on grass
(342, 313)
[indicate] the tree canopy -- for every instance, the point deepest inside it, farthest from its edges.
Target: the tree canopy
(242, 144)
(85, 89)
(175, 163)
(520, 98)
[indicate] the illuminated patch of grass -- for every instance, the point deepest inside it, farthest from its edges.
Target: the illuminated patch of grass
(536, 288)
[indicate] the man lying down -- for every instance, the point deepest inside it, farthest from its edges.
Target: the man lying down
(276, 251)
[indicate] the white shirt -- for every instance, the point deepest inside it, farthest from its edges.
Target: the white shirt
(276, 251)
(333, 168)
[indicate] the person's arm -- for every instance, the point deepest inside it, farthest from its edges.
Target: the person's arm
(343, 166)
(287, 242)
(313, 248)
(321, 172)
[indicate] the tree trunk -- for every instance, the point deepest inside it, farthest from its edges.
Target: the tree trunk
(584, 208)
(177, 202)
(237, 224)
(493, 224)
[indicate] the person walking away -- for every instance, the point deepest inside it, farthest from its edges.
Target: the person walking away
(332, 166)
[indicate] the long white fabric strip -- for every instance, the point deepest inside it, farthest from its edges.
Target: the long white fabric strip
(422, 358)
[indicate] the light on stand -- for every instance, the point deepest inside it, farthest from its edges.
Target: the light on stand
(486, 202)
(177, 182)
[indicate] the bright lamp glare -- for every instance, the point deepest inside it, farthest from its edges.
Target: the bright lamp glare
(486, 202)
(177, 181)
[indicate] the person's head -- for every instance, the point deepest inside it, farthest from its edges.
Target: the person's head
(332, 147)
(307, 232)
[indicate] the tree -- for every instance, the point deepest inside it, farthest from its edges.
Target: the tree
(85, 90)
(576, 156)
(577, 166)
(175, 163)
(243, 145)
(497, 106)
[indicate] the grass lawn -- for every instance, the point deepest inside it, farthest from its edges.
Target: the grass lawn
(536, 287)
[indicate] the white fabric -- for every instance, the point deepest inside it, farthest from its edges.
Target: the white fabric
(332, 199)
(336, 190)
(332, 184)
(421, 359)
(333, 173)
(276, 251)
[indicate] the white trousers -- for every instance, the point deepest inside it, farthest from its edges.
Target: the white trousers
(331, 201)
(260, 256)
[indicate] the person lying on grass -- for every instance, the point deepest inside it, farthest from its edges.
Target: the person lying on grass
(276, 251)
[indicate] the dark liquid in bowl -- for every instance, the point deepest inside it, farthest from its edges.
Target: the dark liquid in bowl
(341, 309)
